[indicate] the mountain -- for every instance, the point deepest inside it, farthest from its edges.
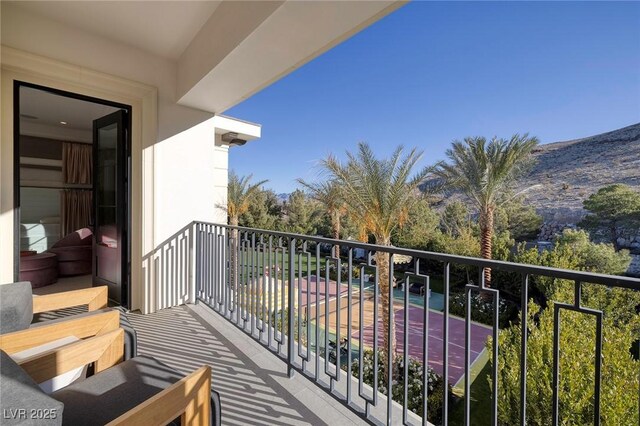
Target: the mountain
(566, 173)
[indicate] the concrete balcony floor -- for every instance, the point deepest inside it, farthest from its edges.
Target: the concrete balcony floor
(252, 382)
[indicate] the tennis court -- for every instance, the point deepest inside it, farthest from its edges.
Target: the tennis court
(479, 332)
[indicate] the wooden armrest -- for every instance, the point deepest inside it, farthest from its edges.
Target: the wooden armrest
(82, 327)
(105, 350)
(95, 298)
(189, 398)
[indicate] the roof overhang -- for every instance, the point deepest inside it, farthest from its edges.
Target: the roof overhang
(225, 64)
(216, 53)
(238, 129)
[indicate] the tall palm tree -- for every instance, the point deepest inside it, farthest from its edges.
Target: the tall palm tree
(239, 197)
(485, 172)
(329, 194)
(378, 194)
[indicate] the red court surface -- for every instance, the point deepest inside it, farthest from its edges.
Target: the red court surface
(479, 334)
(312, 284)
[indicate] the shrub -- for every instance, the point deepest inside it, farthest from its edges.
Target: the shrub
(610, 208)
(435, 393)
(276, 321)
(344, 272)
(619, 404)
(573, 250)
(482, 309)
(520, 220)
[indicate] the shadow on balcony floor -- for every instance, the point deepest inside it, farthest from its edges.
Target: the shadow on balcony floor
(252, 382)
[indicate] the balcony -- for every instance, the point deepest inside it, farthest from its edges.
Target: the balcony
(236, 281)
(253, 384)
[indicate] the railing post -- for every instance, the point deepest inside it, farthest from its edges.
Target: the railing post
(290, 305)
(193, 282)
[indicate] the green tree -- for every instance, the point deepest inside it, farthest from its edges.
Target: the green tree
(265, 212)
(329, 195)
(455, 218)
(522, 221)
(464, 243)
(485, 172)
(611, 207)
(240, 196)
(420, 228)
(301, 214)
(379, 193)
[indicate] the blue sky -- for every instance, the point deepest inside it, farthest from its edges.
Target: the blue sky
(432, 72)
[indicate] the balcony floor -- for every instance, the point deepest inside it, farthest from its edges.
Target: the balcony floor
(252, 382)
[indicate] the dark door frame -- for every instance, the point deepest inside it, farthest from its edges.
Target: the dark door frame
(17, 84)
(119, 118)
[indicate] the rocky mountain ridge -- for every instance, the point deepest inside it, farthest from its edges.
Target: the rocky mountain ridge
(566, 173)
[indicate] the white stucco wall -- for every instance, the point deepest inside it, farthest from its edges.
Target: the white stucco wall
(180, 172)
(191, 178)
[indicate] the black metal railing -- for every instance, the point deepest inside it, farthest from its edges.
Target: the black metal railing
(320, 314)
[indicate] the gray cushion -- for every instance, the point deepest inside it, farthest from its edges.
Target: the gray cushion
(16, 306)
(111, 393)
(22, 400)
(130, 336)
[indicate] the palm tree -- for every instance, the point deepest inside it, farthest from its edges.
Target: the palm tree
(378, 194)
(330, 196)
(484, 172)
(239, 197)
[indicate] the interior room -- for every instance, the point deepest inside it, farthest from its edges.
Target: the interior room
(56, 188)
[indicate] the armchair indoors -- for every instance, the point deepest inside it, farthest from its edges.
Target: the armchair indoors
(74, 253)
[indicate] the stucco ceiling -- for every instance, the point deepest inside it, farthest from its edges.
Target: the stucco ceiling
(166, 29)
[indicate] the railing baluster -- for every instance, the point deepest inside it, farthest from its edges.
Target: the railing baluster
(390, 344)
(308, 304)
(236, 279)
(598, 371)
(445, 346)
(425, 354)
(523, 348)
(291, 308)
(556, 362)
(254, 283)
(338, 331)
(576, 307)
(263, 286)
(494, 346)
(277, 334)
(467, 356)
(376, 306)
(405, 351)
(317, 312)
(283, 294)
(349, 320)
(270, 324)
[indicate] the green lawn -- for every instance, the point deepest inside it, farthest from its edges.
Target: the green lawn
(480, 401)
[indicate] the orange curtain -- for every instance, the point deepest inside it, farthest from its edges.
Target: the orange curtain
(75, 206)
(77, 163)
